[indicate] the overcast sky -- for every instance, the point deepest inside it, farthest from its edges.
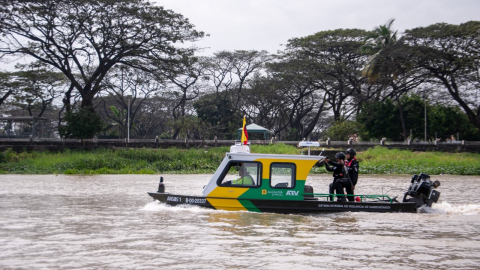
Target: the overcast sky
(267, 24)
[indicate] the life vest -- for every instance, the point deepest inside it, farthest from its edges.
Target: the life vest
(350, 162)
(245, 180)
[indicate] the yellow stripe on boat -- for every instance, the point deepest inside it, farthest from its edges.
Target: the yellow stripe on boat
(226, 204)
(227, 192)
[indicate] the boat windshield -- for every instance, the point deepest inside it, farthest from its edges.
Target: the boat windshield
(241, 174)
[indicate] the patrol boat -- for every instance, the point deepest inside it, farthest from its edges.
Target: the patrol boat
(276, 183)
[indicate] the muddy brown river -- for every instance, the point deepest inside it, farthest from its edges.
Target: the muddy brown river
(109, 222)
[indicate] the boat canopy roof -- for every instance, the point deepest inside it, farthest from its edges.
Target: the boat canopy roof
(255, 156)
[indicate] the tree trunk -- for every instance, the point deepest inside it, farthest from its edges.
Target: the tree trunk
(402, 119)
(87, 101)
(66, 100)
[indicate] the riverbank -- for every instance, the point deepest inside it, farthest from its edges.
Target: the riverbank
(378, 160)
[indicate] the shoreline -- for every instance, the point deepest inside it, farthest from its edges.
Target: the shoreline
(377, 160)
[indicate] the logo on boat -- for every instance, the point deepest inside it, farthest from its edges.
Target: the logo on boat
(292, 193)
(275, 192)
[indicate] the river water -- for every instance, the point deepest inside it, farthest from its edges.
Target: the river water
(109, 222)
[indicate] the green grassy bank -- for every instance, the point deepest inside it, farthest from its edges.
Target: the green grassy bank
(166, 161)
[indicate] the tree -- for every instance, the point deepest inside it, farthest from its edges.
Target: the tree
(186, 86)
(332, 63)
(191, 127)
(214, 114)
(153, 117)
(85, 39)
(319, 73)
(229, 73)
(377, 43)
(301, 103)
(381, 119)
(128, 87)
(263, 102)
(343, 130)
(389, 66)
(81, 124)
(8, 86)
(38, 87)
(450, 55)
(117, 127)
(445, 121)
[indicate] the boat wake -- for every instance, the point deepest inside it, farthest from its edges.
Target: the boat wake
(446, 208)
(157, 206)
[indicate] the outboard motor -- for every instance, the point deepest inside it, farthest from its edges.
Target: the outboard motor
(421, 191)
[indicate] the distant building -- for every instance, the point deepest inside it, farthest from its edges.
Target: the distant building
(256, 132)
(24, 127)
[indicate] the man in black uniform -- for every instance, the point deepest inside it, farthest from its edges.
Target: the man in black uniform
(337, 169)
(350, 180)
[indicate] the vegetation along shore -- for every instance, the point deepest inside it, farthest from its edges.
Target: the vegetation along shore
(378, 160)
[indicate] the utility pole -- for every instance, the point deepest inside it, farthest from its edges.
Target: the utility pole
(425, 112)
(128, 122)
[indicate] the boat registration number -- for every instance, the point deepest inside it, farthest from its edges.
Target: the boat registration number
(195, 200)
(186, 200)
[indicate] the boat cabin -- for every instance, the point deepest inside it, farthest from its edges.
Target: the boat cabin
(243, 175)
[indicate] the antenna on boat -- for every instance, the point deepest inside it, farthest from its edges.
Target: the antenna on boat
(308, 144)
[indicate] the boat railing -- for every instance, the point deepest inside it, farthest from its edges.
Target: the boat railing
(363, 198)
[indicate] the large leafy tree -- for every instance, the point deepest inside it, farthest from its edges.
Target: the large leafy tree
(332, 61)
(445, 121)
(263, 102)
(84, 39)
(214, 113)
(381, 119)
(228, 74)
(38, 88)
(302, 103)
(450, 55)
(319, 73)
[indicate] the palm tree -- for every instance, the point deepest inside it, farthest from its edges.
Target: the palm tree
(376, 44)
(380, 44)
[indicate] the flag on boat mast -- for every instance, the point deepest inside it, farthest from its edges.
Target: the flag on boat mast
(244, 131)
